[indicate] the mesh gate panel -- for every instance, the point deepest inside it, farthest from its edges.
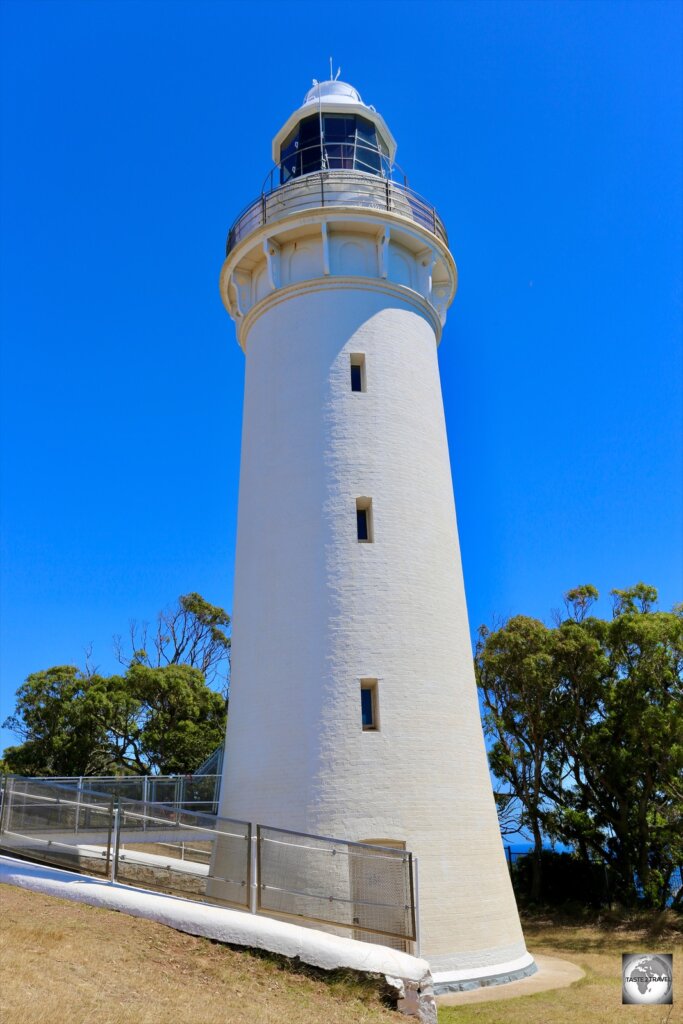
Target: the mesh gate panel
(351, 885)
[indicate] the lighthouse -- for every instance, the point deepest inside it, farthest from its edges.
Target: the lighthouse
(353, 705)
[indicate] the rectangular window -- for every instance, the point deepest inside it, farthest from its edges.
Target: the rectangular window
(357, 371)
(364, 520)
(369, 705)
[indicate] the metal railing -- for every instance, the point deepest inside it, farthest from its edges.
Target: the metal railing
(188, 792)
(369, 890)
(333, 155)
(49, 822)
(335, 188)
(185, 853)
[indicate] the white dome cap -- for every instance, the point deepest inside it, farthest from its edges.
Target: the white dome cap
(333, 92)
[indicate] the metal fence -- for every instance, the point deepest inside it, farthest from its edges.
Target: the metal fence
(369, 890)
(189, 792)
(49, 822)
(335, 189)
(351, 885)
(185, 853)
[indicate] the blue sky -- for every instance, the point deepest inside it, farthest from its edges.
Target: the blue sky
(548, 135)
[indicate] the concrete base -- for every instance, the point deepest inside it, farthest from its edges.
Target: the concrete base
(549, 973)
(448, 978)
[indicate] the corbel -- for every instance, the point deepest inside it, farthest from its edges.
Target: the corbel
(271, 250)
(326, 248)
(241, 279)
(426, 259)
(383, 252)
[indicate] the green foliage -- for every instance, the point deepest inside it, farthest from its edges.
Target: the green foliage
(57, 715)
(179, 719)
(153, 718)
(587, 732)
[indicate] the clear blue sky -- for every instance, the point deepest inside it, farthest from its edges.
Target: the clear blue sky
(549, 137)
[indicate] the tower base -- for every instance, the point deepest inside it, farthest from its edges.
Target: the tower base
(449, 978)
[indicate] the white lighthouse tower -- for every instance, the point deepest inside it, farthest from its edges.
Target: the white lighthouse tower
(353, 708)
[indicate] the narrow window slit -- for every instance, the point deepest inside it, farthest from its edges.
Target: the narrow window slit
(369, 704)
(357, 371)
(364, 520)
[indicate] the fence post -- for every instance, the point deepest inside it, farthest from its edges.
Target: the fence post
(416, 891)
(508, 851)
(6, 797)
(116, 832)
(253, 869)
(79, 789)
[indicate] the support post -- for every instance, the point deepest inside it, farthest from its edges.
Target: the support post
(253, 870)
(116, 836)
(145, 800)
(79, 791)
(6, 797)
(416, 891)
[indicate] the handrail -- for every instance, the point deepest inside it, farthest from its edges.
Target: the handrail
(331, 156)
(338, 188)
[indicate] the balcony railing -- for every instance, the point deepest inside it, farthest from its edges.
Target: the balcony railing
(335, 188)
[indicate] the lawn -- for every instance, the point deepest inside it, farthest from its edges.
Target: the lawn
(596, 999)
(68, 963)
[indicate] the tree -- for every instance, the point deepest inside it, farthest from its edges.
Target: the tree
(164, 720)
(160, 715)
(623, 744)
(515, 676)
(193, 632)
(587, 732)
(62, 733)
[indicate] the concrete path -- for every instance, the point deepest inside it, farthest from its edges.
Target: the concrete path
(552, 973)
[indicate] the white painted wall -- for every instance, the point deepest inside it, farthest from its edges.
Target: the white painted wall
(315, 611)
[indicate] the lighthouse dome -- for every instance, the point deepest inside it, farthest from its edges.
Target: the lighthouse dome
(333, 92)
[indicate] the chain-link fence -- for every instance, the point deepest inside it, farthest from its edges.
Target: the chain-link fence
(368, 889)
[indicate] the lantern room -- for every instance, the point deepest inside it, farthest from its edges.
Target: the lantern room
(333, 130)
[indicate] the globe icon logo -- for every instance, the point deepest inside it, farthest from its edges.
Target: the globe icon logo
(647, 978)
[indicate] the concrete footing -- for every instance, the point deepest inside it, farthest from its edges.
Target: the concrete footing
(447, 977)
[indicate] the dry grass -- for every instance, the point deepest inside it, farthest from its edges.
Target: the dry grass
(596, 999)
(68, 963)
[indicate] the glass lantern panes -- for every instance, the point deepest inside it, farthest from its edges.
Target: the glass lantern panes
(346, 142)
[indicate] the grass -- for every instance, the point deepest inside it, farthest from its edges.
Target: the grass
(595, 945)
(68, 963)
